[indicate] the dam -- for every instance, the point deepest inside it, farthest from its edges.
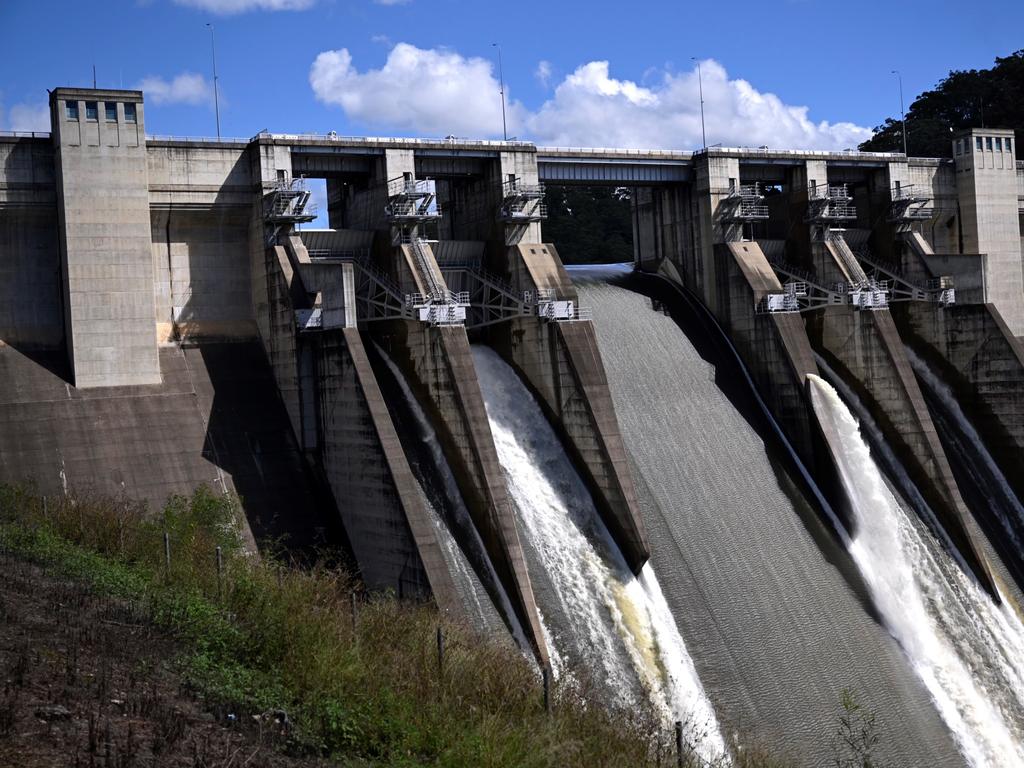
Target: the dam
(777, 457)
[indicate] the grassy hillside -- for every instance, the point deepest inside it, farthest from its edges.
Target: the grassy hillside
(261, 658)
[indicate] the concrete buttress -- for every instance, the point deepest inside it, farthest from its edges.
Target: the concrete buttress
(561, 364)
(867, 351)
(438, 364)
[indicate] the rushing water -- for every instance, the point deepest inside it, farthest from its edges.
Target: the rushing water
(985, 473)
(613, 626)
(772, 608)
(463, 551)
(968, 651)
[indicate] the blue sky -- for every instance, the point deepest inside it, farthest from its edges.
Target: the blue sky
(597, 73)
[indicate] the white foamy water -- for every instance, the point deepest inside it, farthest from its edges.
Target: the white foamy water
(468, 582)
(618, 624)
(968, 651)
(1001, 497)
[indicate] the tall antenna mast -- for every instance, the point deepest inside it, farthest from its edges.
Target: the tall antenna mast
(216, 96)
(700, 86)
(501, 77)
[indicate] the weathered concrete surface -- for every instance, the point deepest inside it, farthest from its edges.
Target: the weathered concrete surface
(31, 308)
(277, 292)
(990, 216)
(106, 241)
(216, 419)
(977, 356)
(377, 497)
(562, 366)
(202, 274)
(774, 347)
(968, 270)
(865, 348)
(438, 365)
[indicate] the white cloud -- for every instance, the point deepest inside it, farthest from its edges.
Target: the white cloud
(29, 117)
(392, 2)
(186, 88)
(437, 92)
(543, 73)
(433, 92)
(590, 107)
(227, 7)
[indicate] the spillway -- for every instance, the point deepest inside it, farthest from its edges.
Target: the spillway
(484, 601)
(772, 609)
(985, 487)
(968, 651)
(610, 630)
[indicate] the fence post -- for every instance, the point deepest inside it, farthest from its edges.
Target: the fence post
(167, 552)
(220, 574)
(440, 651)
(46, 511)
(353, 601)
(546, 675)
(679, 743)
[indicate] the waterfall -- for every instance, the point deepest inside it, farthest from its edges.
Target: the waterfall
(615, 625)
(989, 477)
(968, 652)
(469, 564)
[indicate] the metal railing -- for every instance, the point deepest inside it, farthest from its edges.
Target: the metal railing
(402, 186)
(516, 188)
(344, 254)
(290, 206)
(203, 139)
(522, 209)
(26, 134)
(909, 192)
(427, 141)
(441, 297)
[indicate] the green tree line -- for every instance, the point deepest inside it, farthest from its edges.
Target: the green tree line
(974, 98)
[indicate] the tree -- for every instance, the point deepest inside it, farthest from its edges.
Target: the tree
(590, 225)
(973, 98)
(855, 740)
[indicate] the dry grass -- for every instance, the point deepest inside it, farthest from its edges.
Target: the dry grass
(266, 636)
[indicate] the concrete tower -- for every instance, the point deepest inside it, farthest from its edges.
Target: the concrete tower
(105, 238)
(986, 174)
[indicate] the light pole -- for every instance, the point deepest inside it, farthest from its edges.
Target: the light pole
(501, 77)
(903, 115)
(216, 96)
(700, 86)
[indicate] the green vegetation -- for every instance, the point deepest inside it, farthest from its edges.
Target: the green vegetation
(973, 98)
(590, 225)
(267, 637)
(358, 682)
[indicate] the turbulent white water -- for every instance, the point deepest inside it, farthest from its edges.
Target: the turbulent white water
(619, 625)
(469, 583)
(1001, 497)
(968, 651)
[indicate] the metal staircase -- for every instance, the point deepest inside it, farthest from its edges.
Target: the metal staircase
(522, 203)
(827, 203)
(909, 204)
(438, 306)
(411, 201)
(285, 204)
(745, 203)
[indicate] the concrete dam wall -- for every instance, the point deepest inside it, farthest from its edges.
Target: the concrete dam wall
(641, 480)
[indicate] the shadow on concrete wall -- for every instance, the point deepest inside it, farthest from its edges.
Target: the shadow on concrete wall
(250, 438)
